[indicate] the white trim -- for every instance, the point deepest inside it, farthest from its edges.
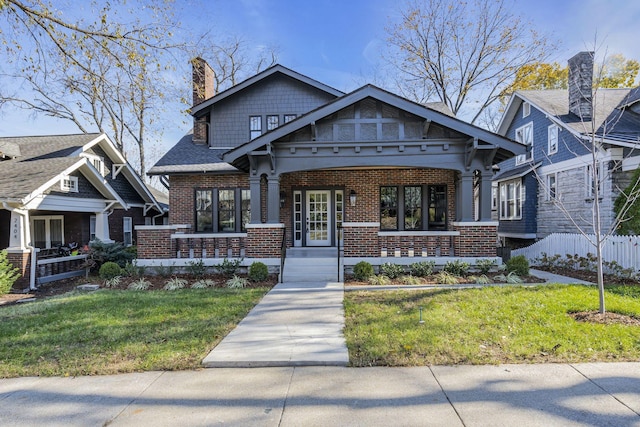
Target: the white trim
(72, 187)
(526, 109)
(266, 225)
(475, 224)
(522, 158)
(630, 163)
(47, 228)
(503, 202)
(417, 233)
(207, 235)
(518, 235)
(68, 204)
(360, 224)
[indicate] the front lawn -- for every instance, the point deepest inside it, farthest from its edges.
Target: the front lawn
(488, 326)
(112, 331)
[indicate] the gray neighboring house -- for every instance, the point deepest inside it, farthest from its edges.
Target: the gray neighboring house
(557, 126)
(59, 189)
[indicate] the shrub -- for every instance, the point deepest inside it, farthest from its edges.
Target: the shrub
(258, 272)
(392, 271)
(131, 269)
(485, 265)
(422, 268)
(196, 268)
(203, 284)
(514, 278)
(379, 280)
(228, 268)
(237, 282)
(446, 278)
(139, 285)
(8, 273)
(101, 253)
(109, 270)
(174, 284)
(457, 267)
(165, 271)
(113, 282)
(518, 265)
(362, 270)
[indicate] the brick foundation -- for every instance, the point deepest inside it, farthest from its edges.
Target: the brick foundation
(22, 261)
(360, 241)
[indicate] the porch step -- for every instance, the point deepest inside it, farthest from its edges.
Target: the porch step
(311, 265)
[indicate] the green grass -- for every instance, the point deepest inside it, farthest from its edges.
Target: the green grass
(488, 326)
(109, 331)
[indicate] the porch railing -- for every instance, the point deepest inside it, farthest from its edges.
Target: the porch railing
(59, 268)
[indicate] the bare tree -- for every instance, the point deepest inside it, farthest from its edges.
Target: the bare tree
(461, 52)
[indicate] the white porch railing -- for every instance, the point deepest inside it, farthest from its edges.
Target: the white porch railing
(58, 268)
(625, 250)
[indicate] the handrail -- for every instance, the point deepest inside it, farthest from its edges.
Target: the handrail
(338, 229)
(283, 253)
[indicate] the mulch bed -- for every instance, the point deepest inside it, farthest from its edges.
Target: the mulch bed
(431, 280)
(589, 276)
(607, 318)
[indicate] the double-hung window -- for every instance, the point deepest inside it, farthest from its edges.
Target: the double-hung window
(127, 231)
(403, 207)
(524, 135)
(552, 139)
(222, 210)
(511, 199)
(552, 187)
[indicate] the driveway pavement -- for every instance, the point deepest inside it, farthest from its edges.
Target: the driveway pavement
(598, 394)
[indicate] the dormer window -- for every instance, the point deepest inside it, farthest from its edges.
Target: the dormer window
(69, 184)
(96, 161)
(255, 126)
(526, 110)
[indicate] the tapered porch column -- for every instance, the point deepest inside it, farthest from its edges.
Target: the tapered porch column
(20, 235)
(273, 199)
(485, 196)
(254, 188)
(102, 227)
(465, 198)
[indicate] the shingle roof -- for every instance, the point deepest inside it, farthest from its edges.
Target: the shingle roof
(611, 119)
(41, 159)
(186, 157)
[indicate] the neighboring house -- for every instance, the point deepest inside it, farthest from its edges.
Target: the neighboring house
(55, 190)
(558, 126)
(283, 160)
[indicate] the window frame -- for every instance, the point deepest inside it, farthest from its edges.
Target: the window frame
(127, 230)
(401, 208)
(96, 161)
(551, 189)
(47, 231)
(289, 118)
(92, 227)
(271, 126)
(526, 109)
(255, 126)
(553, 129)
(508, 197)
(241, 209)
(72, 186)
(521, 136)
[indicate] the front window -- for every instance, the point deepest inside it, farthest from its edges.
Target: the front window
(222, 210)
(127, 231)
(388, 208)
(552, 139)
(511, 199)
(255, 126)
(524, 135)
(47, 231)
(412, 208)
(437, 207)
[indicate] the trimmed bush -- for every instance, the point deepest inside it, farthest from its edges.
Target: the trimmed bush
(422, 268)
(392, 271)
(518, 265)
(362, 270)
(109, 270)
(100, 253)
(457, 268)
(258, 272)
(8, 274)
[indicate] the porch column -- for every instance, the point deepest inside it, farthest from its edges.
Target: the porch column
(254, 188)
(465, 197)
(102, 227)
(273, 199)
(485, 196)
(20, 237)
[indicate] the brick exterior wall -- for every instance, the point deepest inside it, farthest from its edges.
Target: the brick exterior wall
(432, 245)
(264, 242)
(476, 240)
(155, 243)
(21, 261)
(361, 242)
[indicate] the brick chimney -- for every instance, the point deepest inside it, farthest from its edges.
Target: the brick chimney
(203, 89)
(580, 85)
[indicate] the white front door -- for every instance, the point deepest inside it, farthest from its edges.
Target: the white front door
(319, 227)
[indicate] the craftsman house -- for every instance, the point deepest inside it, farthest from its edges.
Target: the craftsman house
(558, 126)
(284, 161)
(55, 190)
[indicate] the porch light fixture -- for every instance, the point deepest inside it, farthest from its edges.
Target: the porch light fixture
(352, 198)
(283, 198)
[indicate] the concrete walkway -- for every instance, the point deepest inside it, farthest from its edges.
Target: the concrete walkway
(597, 394)
(295, 324)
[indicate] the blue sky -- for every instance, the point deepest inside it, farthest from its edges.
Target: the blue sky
(338, 42)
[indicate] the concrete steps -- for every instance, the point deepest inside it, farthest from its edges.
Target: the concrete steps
(311, 265)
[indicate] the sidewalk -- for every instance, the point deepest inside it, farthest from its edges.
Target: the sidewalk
(295, 324)
(597, 394)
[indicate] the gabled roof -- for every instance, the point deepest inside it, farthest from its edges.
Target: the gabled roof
(506, 147)
(44, 160)
(611, 119)
(260, 76)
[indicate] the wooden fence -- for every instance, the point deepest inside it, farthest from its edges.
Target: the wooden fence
(625, 250)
